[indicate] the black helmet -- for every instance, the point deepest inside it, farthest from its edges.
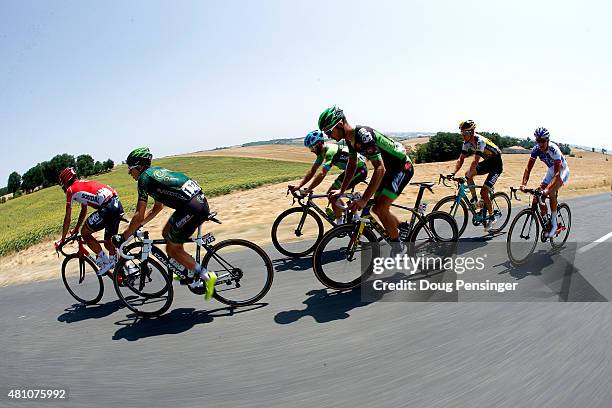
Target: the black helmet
(140, 156)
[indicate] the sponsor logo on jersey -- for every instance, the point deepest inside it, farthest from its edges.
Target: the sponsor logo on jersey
(366, 135)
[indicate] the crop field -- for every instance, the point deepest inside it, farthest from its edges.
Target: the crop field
(31, 218)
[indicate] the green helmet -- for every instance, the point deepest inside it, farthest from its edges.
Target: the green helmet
(330, 117)
(139, 156)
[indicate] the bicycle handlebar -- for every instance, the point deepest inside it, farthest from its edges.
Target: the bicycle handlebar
(141, 234)
(59, 246)
(534, 191)
(443, 178)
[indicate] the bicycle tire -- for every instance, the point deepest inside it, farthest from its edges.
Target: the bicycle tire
(505, 197)
(462, 207)
(559, 244)
(260, 252)
(88, 261)
(530, 214)
(168, 288)
(319, 272)
(157, 253)
(279, 219)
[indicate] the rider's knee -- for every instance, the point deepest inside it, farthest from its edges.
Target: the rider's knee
(484, 192)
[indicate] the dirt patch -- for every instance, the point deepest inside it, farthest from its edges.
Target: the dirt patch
(250, 214)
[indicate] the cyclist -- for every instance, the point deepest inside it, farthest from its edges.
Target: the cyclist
(556, 176)
(185, 196)
(328, 155)
(392, 167)
(487, 160)
(107, 215)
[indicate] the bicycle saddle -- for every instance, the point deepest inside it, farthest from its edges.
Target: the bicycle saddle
(423, 183)
(213, 217)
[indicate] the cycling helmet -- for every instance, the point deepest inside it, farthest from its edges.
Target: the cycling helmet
(313, 138)
(467, 125)
(330, 117)
(141, 156)
(67, 177)
(541, 134)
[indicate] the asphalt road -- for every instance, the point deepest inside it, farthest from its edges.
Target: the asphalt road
(307, 347)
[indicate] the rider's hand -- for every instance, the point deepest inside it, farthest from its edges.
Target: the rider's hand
(333, 195)
(292, 188)
(358, 205)
(545, 192)
(522, 187)
(117, 240)
(74, 231)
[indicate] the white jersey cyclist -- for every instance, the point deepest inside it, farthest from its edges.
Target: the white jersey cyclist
(549, 157)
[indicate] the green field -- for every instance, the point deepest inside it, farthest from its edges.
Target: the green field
(31, 218)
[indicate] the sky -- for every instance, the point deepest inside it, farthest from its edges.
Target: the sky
(104, 77)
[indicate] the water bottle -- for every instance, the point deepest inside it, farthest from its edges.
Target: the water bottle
(330, 214)
(404, 231)
(422, 208)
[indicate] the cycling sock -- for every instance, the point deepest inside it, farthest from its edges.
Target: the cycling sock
(553, 219)
(102, 256)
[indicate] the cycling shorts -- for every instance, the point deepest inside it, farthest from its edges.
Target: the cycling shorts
(493, 167)
(108, 216)
(395, 180)
(551, 172)
(361, 174)
(184, 221)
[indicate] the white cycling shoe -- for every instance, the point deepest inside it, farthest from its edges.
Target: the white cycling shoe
(105, 265)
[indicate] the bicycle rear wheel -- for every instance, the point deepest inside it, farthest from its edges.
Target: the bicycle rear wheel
(301, 230)
(564, 224)
(81, 281)
(435, 236)
(523, 237)
(244, 272)
(147, 291)
(501, 210)
(341, 261)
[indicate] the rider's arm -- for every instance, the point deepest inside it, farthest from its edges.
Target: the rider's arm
(318, 179)
(527, 172)
(82, 215)
(157, 207)
(459, 163)
(137, 219)
(377, 176)
(67, 219)
(308, 175)
(349, 173)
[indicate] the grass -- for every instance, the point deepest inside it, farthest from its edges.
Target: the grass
(32, 218)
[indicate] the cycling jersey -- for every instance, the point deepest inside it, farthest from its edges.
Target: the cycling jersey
(376, 146)
(171, 188)
(553, 153)
(91, 193)
(483, 147)
(334, 155)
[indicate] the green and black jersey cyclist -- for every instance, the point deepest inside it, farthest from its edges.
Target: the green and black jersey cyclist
(329, 155)
(487, 160)
(185, 196)
(392, 167)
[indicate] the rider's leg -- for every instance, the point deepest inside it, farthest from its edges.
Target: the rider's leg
(382, 210)
(470, 180)
(335, 186)
(177, 251)
(484, 194)
(90, 240)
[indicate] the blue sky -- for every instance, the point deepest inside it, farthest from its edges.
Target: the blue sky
(104, 77)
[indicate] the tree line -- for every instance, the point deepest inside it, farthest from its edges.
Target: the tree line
(45, 174)
(445, 146)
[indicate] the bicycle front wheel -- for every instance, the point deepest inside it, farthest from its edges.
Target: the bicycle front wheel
(564, 224)
(244, 272)
(296, 233)
(458, 211)
(344, 257)
(435, 236)
(522, 236)
(501, 211)
(80, 278)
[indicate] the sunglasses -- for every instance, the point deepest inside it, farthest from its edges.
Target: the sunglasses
(329, 131)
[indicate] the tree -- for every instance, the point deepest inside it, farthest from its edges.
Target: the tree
(32, 178)
(14, 182)
(85, 165)
(565, 148)
(108, 165)
(98, 168)
(53, 167)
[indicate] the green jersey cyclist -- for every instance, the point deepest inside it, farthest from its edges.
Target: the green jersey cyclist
(392, 167)
(185, 196)
(328, 155)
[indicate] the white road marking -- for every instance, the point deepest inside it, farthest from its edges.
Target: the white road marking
(594, 243)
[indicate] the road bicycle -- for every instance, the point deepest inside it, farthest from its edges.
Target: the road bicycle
(334, 259)
(524, 230)
(303, 222)
(460, 207)
(244, 271)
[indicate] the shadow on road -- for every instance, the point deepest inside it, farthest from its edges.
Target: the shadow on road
(324, 306)
(292, 264)
(177, 321)
(78, 312)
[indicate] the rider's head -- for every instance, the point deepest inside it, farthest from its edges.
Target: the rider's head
(542, 136)
(138, 161)
(67, 177)
(467, 128)
(314, 141)
(331, 123)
